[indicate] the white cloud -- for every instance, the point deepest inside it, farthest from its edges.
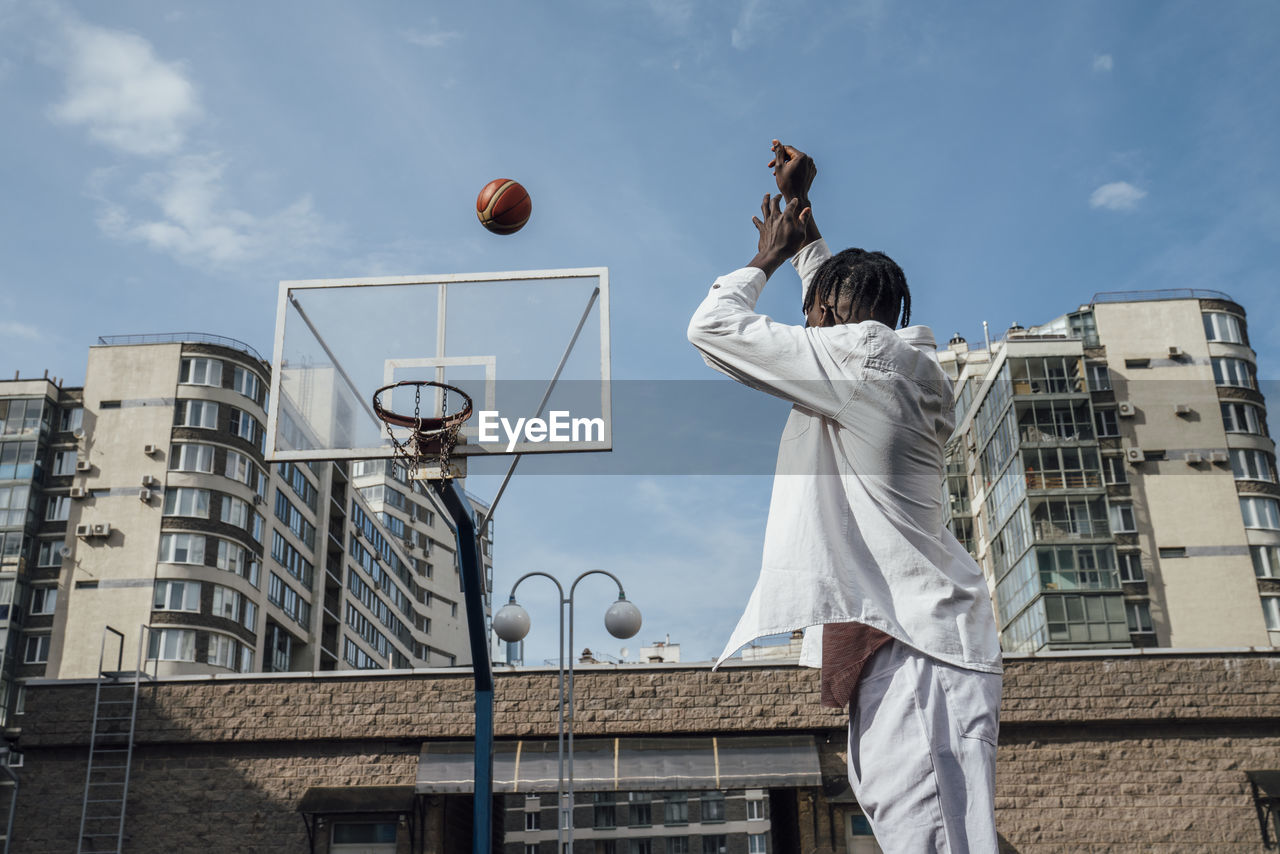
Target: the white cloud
(756, 15)
(198, 225)
(1102, 63)
(14, 329)
(433, 38)
(122, 93)
(1117, 196)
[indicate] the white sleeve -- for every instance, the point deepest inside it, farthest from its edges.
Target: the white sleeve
(804, 366)
(807, 262)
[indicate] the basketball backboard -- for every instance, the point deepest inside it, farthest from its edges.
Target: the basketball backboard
(531, 349)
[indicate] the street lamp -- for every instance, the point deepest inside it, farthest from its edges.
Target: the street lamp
(511, 624)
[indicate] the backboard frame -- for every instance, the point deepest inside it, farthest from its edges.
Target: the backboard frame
(286, 299)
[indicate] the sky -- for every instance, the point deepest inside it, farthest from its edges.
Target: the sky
(165, 165)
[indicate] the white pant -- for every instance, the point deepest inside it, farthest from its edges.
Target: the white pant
(922, 753)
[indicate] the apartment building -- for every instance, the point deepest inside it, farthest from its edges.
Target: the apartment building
(1113, 473)
(143, 499)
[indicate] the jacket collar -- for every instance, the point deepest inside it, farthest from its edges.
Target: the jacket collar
(918, 336)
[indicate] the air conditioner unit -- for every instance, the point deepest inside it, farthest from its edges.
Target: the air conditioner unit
(257, 499)
(1125, 408)
(101, 529)
(150, 450)
(1182, 409)
(83, 465)
(150, 480)
(1175, 352)
(1193, 458)
(144, 495)
(84, 530)
(78, 492)
(1218, 456)
(1134, 455)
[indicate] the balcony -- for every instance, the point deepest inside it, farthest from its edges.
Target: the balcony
(1064, 480)
(1050, 532)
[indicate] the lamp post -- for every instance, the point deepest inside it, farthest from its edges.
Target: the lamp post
(511, 624)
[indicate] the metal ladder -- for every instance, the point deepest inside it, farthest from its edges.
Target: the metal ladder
(106, 781)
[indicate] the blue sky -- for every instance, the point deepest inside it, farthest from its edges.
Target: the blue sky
(165, 165)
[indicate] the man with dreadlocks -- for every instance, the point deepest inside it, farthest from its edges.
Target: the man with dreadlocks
(856, 550)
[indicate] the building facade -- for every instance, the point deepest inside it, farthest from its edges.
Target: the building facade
(143, 499)
(1113, 473)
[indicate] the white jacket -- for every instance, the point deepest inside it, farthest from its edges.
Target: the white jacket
(856, 527)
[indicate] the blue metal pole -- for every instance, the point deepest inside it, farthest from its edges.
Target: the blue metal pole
(472, 571)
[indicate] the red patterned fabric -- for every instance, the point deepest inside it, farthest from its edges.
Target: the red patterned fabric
(846, 648)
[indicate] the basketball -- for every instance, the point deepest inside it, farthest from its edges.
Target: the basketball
(503, 206)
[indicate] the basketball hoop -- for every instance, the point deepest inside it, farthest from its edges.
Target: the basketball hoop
(425, 451)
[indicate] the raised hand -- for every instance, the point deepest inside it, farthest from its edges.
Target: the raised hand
(783, 232)
(793, 170)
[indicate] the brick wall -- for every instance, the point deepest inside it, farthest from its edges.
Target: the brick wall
(1138, 752)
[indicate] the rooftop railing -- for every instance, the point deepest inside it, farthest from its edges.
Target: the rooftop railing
(179, 338)
(1159, 294)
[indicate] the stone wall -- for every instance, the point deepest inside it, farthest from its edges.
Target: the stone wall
(1133, 752)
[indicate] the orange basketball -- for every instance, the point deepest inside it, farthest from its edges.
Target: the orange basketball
(503, 206)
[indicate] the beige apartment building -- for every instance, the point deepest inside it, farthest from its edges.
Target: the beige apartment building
(1113, 473)
(143, 499)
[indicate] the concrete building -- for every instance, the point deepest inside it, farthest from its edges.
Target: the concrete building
(144, 499)
(1113, 473)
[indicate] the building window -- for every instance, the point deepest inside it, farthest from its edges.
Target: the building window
(198, 371)
(13, 505)
(1271, 612)
(226, 602)
(197, 413)
(172, 645)
(678, 845)
(1260, 512)
(715, 844)
(246, 382)
(222, 651)
(44, 600)
(1243, 418)
(1099, 378)
(1114, 470)
(1122, 519)
(757, 843)
(677, 808)
(183, 501)
(177, 595)
(36, 650)
(639, 809)
(1131, 568)
(181, 548)
(50, 553)
(605, 846)
(1266, 561)
(1139, 614)
(531, 848)
(364, 832)
(70, 421)
(197, 458)
(755, 810)
(603, 813)
(247, 427)
(639, 846)
(713, 806)
(1108, 423)
(533, 821)
(1219, 326)
(1233, 372)
(64, 463)
(58, 508)
(1252, 465)
(235, 511)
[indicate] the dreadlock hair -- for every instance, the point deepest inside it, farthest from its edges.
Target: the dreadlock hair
(870, 280)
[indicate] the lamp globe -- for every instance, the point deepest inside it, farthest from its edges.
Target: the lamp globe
(622, 619)
(511, 623)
